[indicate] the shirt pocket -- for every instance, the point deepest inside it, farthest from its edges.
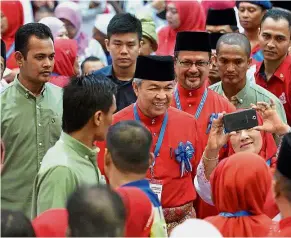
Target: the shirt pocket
(55, 128)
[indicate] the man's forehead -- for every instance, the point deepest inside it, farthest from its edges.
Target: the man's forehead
(41, 45)
(279, 25)
(191, 54)
(126, 37)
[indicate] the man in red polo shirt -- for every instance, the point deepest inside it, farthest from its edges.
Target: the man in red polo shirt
(274, 73)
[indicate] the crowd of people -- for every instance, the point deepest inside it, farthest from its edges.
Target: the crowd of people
(112, 118)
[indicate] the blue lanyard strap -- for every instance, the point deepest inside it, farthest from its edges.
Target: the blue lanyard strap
(10, 51)
(236, 214)
(161, 135)
(201, 104)
(269, 162)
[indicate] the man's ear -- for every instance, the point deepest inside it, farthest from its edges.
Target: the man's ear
(249, 62)
(135, 88)
(107, 44)
(97, 118)
(107, 162)
(19, 58)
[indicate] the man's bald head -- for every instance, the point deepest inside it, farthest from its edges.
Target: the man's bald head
(235, 39)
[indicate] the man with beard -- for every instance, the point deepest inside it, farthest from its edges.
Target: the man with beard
(274, 73)
(124, 34)
(191, 94)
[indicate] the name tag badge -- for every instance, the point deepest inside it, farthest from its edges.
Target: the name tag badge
(157, 187)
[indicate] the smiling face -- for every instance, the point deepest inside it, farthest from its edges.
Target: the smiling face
(274, 38)
(247, 141)
(192, 77)
(154, 97)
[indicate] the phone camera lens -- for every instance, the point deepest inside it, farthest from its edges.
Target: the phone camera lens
(254, 117)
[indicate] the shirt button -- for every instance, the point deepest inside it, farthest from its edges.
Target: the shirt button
(190, 105)
(39, 124)
(86, 157)
(40, 163)
(38, 107)
(40, 144)
(154, 134)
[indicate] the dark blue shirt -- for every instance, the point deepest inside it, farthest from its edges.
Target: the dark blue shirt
(125, 94)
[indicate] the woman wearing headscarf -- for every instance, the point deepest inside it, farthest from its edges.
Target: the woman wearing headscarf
(70, 14)
(11, 19)
(258, 140)
(181, 16)
(57, 27)
(239, 187)
(66, 62)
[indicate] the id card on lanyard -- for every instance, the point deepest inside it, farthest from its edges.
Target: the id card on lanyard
(155, 185)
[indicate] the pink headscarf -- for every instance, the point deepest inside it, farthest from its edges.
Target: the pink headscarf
(71, 12)
(54, 24)
(192, 18)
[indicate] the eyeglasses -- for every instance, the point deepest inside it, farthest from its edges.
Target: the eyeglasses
(189, 64)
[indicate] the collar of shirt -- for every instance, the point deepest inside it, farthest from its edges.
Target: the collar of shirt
(150, 121)
(194, 93)
(142, 183)
(80, 148)
(239, 97)
(281, 71)
(24, 90)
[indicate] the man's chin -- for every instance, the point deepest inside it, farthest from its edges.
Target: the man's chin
(125, 65)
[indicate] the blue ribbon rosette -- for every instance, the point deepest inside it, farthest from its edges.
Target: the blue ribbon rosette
(183, 154)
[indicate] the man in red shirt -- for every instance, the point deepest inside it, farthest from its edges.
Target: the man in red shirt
(274, 73)
(192, 52)
(282, 187)
(175, 143)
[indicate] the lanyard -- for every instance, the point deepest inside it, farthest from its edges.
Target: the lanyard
(201, 104)
(10, 51)
(161, 135)
(235, 214)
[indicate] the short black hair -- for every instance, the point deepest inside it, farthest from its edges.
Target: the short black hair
(23, 34)
(15, 224)
(96, 211)
(82, 97)
(129, 144)
(90, 58)
(124, 23)
(235, 39)
(277, 14)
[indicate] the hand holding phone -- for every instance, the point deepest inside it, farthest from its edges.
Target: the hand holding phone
(240, 120)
